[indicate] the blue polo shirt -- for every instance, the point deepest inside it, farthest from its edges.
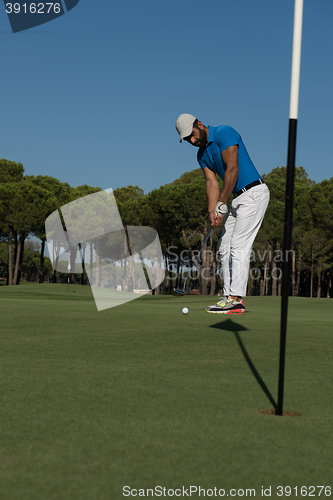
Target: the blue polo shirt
(219, 139)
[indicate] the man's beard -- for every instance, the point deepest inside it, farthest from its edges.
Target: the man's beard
(201, 142)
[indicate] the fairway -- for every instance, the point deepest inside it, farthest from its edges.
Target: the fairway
(141, 395)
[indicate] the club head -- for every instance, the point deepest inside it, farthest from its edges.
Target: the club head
(181, 292)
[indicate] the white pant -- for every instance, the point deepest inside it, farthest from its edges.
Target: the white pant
(241, 226)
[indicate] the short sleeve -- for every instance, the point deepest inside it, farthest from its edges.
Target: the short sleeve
(226, 136)
(200, 158)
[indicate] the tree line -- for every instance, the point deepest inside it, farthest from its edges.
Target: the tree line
(25, 203)
(178, 212)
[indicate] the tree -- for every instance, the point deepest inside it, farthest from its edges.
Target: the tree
(58, 194)
(318, 233)
(268, 244)
(178, 212)
(76, 194)
(32, 204)
(11, 173)
(127, 199)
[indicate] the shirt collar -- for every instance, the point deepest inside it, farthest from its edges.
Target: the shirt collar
(211, 134)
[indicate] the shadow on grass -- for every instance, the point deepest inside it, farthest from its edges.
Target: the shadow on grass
(231, 326)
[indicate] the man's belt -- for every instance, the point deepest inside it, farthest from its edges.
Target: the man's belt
(249, 186)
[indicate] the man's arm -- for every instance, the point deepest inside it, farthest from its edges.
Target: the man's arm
(230, 158)
(212, 193)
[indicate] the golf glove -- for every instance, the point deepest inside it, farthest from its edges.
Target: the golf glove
(220, 209)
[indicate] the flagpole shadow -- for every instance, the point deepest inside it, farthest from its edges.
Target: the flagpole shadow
(231, 326)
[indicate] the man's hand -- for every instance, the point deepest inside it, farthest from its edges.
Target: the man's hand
(221, 208)
(215, 221)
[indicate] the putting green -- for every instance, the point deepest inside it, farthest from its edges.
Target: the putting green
(141, 395)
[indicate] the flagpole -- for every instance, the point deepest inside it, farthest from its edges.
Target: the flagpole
(293, 117)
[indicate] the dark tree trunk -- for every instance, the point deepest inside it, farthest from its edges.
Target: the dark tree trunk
(267, 268)
(329, 285)
(158, 265)
(320, 279)
(41, 266)
(298, 278)
(205, 271)
(311, 280)
(293, 275)
(73, 253)
(10, 257)
(249, 290)
(83, 250)
(262, 282)
(212, 270)
(274, 279)
(20, 258)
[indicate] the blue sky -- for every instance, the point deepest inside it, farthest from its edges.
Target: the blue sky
(92, 97)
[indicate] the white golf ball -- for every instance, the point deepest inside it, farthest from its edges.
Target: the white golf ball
(184, 310)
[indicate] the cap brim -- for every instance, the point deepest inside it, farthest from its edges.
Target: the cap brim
(188, 131)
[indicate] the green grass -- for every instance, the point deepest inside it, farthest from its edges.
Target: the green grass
(141, 395)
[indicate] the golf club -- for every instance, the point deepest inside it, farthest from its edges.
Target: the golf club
(182, 292)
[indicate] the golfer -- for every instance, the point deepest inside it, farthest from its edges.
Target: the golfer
(222, 152)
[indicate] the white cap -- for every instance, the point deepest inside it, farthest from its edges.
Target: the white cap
(184, 125)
